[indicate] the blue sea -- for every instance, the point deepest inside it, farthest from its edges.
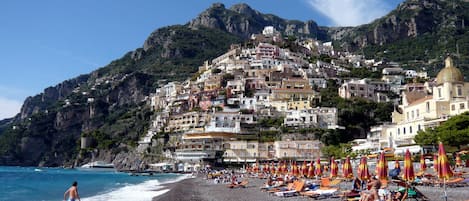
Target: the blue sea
(49, 184)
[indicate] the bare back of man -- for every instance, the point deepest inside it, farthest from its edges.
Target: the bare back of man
(72, 193)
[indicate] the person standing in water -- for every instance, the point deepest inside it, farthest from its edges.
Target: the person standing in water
(72, 193)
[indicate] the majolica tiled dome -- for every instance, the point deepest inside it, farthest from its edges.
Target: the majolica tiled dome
(449, 73)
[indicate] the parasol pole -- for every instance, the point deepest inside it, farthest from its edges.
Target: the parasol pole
(444, 188)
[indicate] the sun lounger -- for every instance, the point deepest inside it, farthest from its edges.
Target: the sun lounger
(297, 188)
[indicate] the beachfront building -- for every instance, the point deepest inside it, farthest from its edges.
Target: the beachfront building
(299, 150)
(421, 109)
(203, 147)
(241, 151)
(365, 88)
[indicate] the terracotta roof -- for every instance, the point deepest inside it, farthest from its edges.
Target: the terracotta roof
(414, 95)
(421, 100)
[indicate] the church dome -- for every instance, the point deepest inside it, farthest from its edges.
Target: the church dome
(449, 73)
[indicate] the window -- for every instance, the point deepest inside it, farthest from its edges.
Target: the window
(453, 107)
(418, 113)
(461, 106)
(428, 106)
(412, 114)
(410, 129)
(398, 131)
(439, 92)
(419, 127)
(403, 130)
(459, 89)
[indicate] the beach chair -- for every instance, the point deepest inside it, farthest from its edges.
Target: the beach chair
(326, 183)
(297, 188)
(456, 182)
(287, 188)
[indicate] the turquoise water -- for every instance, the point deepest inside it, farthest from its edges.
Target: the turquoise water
(44, 184)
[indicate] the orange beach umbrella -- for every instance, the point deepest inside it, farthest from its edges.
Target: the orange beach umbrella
(311, 170)
(334, 168)
(435, 162)
(295, 169)
(304, 169)
(347, 168)
(408, 167)
(363, 173)
(423, 166)
(444, 170)
(317, 169)
(382, 168)
(272, 168)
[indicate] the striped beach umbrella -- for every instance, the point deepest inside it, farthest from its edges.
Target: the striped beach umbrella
(256, 168)
(382, 168)
(284, 168)
(347, 169)
(334, 168)
(408, 167)
(423, 166)
(265, 167)
(435, 162)
(444, 170)
(362, 172)
(458, 160)
(295, 170)
(311, 169)
(304, 169)
(317, 169)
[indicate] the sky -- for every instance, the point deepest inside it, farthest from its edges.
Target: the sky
(43, 43)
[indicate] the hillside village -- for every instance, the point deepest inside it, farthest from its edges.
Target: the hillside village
(260, 101)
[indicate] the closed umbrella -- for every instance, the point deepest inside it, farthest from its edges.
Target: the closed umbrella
(317, 169)
(304, 169)
(435, 163)
(444, 171)
(363, 173)
(295, 169)
(408, 167)
(272, 168)
(311, 170)
(347, 168)
(382, 168)
(423, 166)
(334, 168)
(265, 167)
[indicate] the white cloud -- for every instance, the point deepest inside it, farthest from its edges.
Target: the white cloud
(9, 108)
(350, 12)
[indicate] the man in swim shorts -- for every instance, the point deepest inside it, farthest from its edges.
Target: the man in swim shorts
(72, 193)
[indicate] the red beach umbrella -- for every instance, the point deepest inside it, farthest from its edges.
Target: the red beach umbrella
(304, 169)
(334, 168)
(423, 166)
(285, 168)
(363, 173)
(444, 170)
(311, 170)
(279, 168)
(295, 169)
(408, 167)
(256, 168)
(458, 160)
(317, 169)
(382, 168)
(347, 168)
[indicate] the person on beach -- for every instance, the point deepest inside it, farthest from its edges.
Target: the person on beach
(72, 193)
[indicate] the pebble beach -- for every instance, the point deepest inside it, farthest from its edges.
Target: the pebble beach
(201, 189)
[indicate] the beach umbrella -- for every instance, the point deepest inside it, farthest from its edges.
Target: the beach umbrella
(304, 169)
(311, 169)
(423, 166)
(334, 168)
(408, 167)
(444, 171)
(295, 169)
(458, 160)
(317, 169)
(347, 168)
(266, 167)
(285, 168)
(382, 168)
(363, 173)
(279, 167)
(435, 163)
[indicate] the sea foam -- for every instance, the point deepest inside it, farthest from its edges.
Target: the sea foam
(136, 192)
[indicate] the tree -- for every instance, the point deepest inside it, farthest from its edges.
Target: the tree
(454, 132)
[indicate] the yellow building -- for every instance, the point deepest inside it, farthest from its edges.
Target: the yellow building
(421, 110)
